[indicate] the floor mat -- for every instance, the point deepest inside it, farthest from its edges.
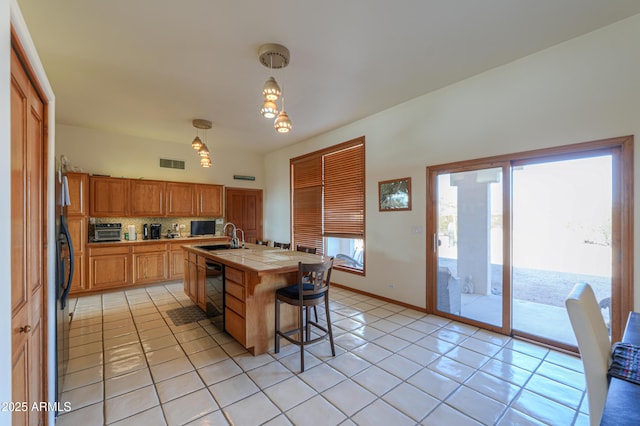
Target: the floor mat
(186, 315)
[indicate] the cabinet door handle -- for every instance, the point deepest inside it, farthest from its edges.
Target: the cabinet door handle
(25, 329)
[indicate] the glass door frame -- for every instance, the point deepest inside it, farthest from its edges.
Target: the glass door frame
(433, 241)
(622, 291)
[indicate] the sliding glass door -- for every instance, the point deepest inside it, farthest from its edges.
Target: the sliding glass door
(561, 235)
(469, 244)
(511, 235)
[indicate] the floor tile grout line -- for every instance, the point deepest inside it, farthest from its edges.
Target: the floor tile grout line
(410, 342)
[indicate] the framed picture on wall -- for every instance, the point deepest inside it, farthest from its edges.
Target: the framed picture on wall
(394, 195)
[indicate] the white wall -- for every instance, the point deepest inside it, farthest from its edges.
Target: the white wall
(101, 152)
(585, 89)
(5, 208)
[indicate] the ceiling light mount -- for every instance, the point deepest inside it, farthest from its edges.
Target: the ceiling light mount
(274, 56)
(200, 123)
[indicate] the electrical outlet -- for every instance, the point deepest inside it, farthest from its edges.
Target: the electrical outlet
(182, 226)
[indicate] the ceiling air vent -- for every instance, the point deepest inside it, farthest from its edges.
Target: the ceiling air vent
(171, 164)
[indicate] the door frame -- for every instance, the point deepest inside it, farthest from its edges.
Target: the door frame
(622, 291)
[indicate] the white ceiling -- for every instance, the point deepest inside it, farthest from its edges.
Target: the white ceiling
(148, 67)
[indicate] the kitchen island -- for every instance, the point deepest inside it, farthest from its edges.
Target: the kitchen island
(252, 275)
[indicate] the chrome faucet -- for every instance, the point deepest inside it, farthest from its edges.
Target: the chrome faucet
(240, 230)
(234, 235)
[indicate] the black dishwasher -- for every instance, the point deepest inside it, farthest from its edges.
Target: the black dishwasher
(215, 293)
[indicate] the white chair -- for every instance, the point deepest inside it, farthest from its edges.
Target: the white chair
(594, 344)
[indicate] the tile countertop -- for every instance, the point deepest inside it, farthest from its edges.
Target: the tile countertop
(257, 258)
(207, 238)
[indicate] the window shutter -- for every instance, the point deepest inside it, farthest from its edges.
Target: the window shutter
(307, 202)
(344, 193)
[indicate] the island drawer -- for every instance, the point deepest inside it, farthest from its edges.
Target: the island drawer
(234, 304)
(234, 275)
(234, 289)
(235, 326)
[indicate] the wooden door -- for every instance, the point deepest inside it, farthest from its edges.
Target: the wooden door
(28, 207)
(244, 209)
(147, 198)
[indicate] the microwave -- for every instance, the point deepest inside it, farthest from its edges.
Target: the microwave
(107, 232)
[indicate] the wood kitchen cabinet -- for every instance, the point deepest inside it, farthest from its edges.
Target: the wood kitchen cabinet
(176, 261)
(209, 200)
(235, 304)
(78, 192)
(124, 264)
(78, 228)
(118, 197)
(180, 199)
(147, 198)
(108, 197)
(195, 278)
(109, 267)
(149, 262)
(77, 223)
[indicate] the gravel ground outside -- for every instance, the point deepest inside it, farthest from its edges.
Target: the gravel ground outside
(540, 286)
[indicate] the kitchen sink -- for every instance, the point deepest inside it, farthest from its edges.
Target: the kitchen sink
(211, 247)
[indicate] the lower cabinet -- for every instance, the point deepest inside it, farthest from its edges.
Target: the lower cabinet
(114, 265)
(235, 309)
(149, 263)
(78, 231)
(195, 279)
(176, 261)
(109, 267)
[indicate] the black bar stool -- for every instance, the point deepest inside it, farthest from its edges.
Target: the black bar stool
(310, 291)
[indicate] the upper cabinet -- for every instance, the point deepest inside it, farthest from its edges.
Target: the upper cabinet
(147, 198)
(78, 192)
(117, 197)
(180, 199)
(109, 197)
(209, 200)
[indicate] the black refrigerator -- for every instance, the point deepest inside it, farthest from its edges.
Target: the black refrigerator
(64, 276)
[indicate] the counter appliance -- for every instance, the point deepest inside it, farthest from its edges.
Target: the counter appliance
(215, 289)
(156, 231)
(107, 232)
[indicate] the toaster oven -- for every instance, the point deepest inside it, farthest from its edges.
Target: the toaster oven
(107, 232)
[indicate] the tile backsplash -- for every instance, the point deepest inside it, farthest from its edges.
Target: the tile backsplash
(166, 223)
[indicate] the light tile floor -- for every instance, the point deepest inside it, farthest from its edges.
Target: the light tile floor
(393, 366)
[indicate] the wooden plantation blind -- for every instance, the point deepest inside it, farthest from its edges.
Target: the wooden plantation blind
(344, 193)
(328, 193)
(307, 202)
